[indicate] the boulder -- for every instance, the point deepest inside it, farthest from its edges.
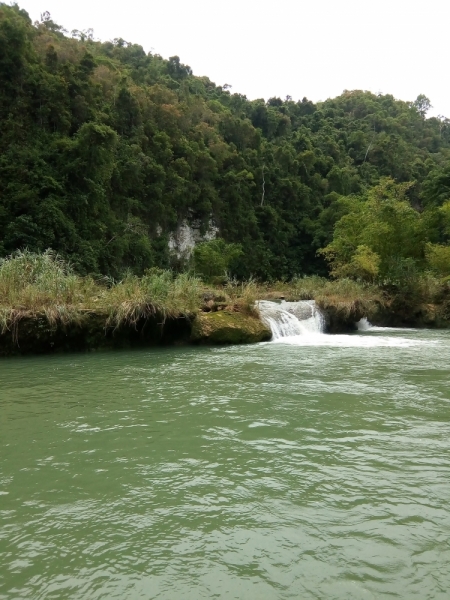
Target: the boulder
(227, 327)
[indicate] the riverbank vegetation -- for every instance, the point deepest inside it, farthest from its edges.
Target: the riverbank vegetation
(106, 151)
(45, 286)
(33, 285)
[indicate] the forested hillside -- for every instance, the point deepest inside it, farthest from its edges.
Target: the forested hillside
(105, 150)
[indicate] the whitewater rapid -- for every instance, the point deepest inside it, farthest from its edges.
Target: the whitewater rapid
(291, 319)
(303, 324)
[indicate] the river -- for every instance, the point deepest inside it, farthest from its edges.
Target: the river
(318, 467)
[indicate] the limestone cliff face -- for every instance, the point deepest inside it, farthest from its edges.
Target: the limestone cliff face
(182, 241)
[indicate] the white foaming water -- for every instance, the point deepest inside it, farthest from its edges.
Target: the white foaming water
(364, 324)
(302, 324)
(292, 319)
(352, 341)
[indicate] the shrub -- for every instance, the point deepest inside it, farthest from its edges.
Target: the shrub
(214, 258)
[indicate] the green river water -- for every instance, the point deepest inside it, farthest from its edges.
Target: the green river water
(318, 468)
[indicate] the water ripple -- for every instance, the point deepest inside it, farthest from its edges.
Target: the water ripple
(270, 471)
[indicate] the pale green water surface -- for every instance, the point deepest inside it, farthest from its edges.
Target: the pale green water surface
(315, 469)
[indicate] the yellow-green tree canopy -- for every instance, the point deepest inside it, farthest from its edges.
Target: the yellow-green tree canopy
(379, 232)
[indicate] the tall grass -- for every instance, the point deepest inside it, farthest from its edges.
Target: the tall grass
(306, 288)
(242, 295)
(26, 277)
(34, 284)
(160, 293)
(348, 297)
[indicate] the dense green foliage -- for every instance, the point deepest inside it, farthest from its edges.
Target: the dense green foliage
(381, 238)
(215, 258)
(105, 150)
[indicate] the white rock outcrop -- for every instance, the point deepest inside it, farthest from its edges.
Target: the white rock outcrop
(182, 241)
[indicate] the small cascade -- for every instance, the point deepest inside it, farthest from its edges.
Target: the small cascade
(290, 319)
(364, 324)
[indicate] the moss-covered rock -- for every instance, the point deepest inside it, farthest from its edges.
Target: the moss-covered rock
(226, 327)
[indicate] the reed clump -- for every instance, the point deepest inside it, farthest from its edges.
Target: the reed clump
(349, 297)
(241, 296)
(345, 296)
(305, 288)
(35, 285)
(158, 292)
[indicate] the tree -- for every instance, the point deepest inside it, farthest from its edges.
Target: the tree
(379, 232)
(98, 138)
(438, 259)
(422, 104)
(212, 259)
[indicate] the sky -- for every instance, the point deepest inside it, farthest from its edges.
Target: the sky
(312, 48)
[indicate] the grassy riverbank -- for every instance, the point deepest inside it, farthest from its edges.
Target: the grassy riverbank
(41, 295)
(43, 284)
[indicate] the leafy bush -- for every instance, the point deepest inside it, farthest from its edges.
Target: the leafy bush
(214, 258)
(438, 258)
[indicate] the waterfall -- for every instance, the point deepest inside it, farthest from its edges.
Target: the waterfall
(364, 324)
(290, 319)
